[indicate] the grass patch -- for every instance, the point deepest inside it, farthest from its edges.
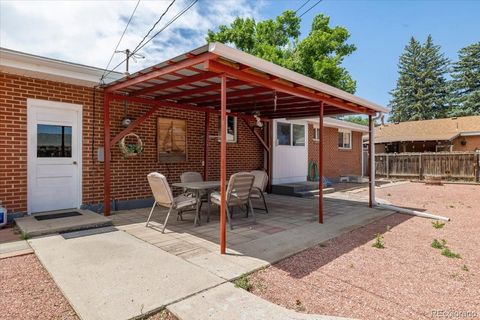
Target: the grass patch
(465, 268)
(438, 225)
(379, 243)
(438, 244)
(244, 283)
(24, 236)
(450, 254)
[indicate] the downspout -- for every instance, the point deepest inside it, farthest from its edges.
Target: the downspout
(372, 183)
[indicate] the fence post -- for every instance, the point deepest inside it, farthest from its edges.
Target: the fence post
(388, 167)
(420, 169)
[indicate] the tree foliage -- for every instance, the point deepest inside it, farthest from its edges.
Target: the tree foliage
(465, 82)
(319, 55)
(422, 91)
(356, 119)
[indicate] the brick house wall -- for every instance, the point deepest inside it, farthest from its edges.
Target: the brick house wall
(337, 162)
(128, 176)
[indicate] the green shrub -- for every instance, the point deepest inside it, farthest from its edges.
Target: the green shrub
(244, 283)
(438, 244)
(438, 224)
(450, 254)
(379, 243)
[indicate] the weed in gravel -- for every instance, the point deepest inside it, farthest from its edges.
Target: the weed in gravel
(465, 268)
(450, 254)
(438, 244)
(244, 283)
(24, 236)
(379, 243)
(438, 224)
(299, 306)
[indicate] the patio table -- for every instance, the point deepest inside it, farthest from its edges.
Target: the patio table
(197, 187)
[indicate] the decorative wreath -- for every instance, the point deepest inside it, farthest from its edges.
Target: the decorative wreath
(129, 150)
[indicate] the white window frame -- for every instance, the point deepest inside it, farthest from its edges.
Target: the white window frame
(235, 129)
(316, 134)
(344, 131)
(291, 134)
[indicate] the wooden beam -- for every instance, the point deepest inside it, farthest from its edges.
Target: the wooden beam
(264, 144)
(223, 165)
(160, 72)
(320, 166)
(106, 155)
(175, 83)
(213, 87)
(238, 93)
(206, 146)
(134, 124)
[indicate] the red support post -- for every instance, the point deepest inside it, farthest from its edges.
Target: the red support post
(223, 164)
(106, 155)
(320, 166)
(370, 149)
(206, 146)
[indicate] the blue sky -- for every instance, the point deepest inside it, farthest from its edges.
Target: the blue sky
(87, 31)
(381, 29)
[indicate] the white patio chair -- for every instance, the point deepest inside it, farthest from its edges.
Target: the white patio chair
(192, 176)
(259, 185)
(164, 197)
(238, 194)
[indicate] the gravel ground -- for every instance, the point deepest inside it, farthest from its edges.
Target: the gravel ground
(28, 292)
(408, 279)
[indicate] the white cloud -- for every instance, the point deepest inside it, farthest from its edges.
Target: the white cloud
(87, 31)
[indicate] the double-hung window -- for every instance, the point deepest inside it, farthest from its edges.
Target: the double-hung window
(344, 139)
(231, 129)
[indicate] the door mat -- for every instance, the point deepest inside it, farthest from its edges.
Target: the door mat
(57, 215)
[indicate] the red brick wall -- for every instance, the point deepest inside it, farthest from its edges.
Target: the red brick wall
(337, 162)
(128, 175)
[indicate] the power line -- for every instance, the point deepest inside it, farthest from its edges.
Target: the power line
(154, 25)
(303, 5)
(310, 8)
(178, 15)
(120, 40)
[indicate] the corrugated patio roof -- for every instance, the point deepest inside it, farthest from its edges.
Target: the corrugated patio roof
(254, 85)
(427, 130)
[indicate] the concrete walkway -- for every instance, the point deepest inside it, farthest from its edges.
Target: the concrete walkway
(116, 276)
(229, 303)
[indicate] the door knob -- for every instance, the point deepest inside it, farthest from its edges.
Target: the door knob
(74, 162)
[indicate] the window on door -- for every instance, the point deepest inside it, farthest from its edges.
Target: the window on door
(290, 134)
(54, 141)
(344, 139)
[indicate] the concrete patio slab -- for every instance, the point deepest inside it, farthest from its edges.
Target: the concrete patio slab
(117, 276)
(31, 227)
(229, 303)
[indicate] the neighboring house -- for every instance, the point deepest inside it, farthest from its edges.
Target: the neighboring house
(51, 130)
(450, 134)
(296, 144)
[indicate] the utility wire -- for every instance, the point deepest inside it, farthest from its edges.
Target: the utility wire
(310, 8)
(120, 40)
(303, 5)
(178, 15)
(154, 25)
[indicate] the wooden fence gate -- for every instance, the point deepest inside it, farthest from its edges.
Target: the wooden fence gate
(448, 165)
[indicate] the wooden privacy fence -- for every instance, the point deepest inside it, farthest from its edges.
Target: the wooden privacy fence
(448, 165)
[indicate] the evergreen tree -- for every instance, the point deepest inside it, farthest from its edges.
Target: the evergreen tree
(466, 82)
(422, 90)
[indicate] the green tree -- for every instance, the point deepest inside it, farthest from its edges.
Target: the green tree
(319, 55)
(356, 119)
(422, 89)
(466, 82)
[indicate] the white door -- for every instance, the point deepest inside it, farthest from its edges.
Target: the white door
(54, 155)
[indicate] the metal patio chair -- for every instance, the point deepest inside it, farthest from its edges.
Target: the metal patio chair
(238, 194)
(259, 185)
(164, 197)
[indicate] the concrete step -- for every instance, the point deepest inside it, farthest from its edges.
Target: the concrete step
(32, 227)
(312, 193)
